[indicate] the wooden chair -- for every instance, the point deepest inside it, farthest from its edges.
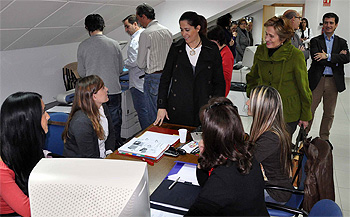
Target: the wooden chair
(70, 75)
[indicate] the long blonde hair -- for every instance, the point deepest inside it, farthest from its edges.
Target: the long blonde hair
(83, 100)
(267, 111)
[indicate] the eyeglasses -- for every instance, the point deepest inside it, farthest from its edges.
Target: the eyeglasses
(299, 18)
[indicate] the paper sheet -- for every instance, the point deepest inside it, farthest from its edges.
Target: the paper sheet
(149, 144)
(160, 213)
(190, 147)
(64, 109)
(187, 173)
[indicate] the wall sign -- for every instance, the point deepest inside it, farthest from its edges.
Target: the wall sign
(326, 3)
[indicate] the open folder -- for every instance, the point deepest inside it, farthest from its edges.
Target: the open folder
(182, 195)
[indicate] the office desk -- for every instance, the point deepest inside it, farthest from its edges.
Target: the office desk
(157, 173)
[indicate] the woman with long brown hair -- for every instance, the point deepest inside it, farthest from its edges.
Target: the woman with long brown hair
(231, 180)
(89, 130)
(272, 141)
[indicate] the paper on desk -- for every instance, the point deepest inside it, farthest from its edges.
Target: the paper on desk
(149, 144)
(64, 109)
(160, 213)
(189, 147)
(187, 173)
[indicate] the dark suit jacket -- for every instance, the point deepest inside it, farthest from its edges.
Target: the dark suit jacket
(337, 62)
(181, 92)
(82, 140)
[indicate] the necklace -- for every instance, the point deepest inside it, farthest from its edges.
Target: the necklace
(192, 51)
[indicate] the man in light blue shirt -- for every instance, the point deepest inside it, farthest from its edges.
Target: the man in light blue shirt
(136, 74)
(329, 53)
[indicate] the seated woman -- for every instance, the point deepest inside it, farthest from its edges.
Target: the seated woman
(272, 140)
(89, 130)
(231, 179)
(23, 129)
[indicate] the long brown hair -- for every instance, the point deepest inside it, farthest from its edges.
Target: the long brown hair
(83, 100)
(267, 111)
(223, 136)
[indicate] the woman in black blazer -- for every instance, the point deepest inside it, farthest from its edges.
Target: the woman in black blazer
(192, 75)
(89, 130)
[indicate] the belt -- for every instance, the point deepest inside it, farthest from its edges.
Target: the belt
(327, 75)
(157, 72)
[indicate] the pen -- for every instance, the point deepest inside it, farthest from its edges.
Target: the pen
(172, 184)
(148, 161)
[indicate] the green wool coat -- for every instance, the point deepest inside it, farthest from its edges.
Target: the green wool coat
(286, 71)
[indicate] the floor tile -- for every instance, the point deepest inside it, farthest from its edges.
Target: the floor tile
(346, 213)
(342, 178)
(344, 198)
(342, 163)
(337, 198)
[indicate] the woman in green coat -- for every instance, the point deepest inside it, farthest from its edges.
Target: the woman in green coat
(279, 64)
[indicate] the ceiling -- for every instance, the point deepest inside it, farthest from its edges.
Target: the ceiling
(35, 23)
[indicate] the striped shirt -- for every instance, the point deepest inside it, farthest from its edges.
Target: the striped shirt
(154, 45)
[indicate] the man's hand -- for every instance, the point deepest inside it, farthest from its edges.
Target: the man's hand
(301, 47)
(320, 56)
(343, 52)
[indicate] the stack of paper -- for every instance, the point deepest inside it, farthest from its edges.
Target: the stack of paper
(149, 145)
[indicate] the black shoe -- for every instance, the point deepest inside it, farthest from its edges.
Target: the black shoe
(330, 144)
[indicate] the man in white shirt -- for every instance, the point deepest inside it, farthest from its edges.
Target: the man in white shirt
(154, 45)
(136, 74)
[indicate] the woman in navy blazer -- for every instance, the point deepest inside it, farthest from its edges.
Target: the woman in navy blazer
(89, 130)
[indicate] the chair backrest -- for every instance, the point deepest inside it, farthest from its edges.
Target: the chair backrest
(325, 207)
(54, 142)
(70, 75)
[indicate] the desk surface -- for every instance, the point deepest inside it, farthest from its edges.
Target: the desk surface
(157, 173)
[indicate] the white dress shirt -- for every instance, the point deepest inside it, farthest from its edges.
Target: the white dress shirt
(154, 46)
(130, 63)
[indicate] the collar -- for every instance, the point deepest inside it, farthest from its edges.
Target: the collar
(152, 22)
(205, 43)
(325, 37)
(137, 33)
(281, 54)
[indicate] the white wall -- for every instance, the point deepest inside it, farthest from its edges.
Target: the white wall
(169, 12)
(314, 12)
(35, 69)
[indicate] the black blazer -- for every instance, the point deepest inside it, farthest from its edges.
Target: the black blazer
(182, 92)
(82, 140)
(317, 44)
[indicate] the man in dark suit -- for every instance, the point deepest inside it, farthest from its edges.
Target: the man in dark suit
(329, 53)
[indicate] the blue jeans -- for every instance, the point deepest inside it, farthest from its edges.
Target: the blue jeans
(150, 88)
(115, 108)
(138, 98)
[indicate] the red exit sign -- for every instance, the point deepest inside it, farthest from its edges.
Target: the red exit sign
(326, 3)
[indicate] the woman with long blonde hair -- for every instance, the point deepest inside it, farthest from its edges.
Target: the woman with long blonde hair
(272, 141)
(89, 130)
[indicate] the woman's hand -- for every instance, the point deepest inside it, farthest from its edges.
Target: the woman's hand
(160, 116)
(305, 124)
